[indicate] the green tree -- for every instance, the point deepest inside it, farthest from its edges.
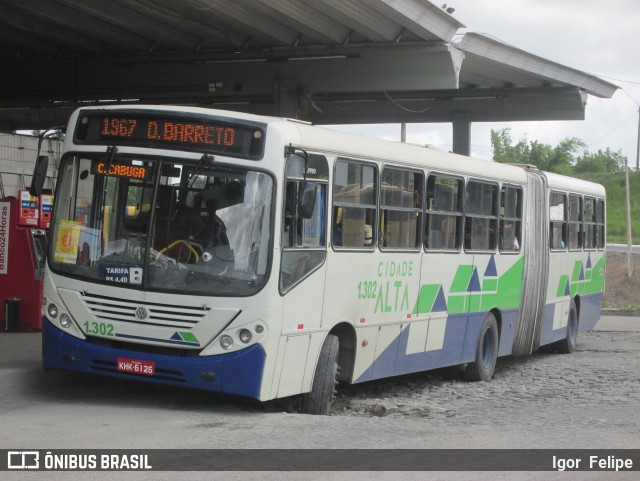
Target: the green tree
(504, 152)
(569, 157)
(564, 155)
(600, 161)
(541, 155)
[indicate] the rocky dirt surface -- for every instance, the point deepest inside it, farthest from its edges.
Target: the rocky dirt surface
(604, 370)
(622, 292)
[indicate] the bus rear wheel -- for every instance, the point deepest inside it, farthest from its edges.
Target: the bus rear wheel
(568, 344)
(323, 393)
(486, 352)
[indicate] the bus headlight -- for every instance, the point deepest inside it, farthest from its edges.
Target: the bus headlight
(52, 310)
(245, 336)
(65, 320)
(226, 342)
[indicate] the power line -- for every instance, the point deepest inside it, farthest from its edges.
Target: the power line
(618, 79)
(614, 129)
(629, 95)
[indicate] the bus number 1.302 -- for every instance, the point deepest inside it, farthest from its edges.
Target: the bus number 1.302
(367, 289)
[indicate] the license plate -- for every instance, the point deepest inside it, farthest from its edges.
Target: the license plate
(136, 366)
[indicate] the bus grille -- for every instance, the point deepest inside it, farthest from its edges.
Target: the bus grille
(147, 313)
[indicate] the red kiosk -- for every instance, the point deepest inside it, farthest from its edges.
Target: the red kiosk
(23, 244)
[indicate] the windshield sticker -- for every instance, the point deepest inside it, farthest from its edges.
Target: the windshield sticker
(67, 242)
(121, 273)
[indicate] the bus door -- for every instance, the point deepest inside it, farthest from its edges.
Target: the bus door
(302, 268)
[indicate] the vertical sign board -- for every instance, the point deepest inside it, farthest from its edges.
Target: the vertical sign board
(28, 212)
(46, 207)
(5, 222)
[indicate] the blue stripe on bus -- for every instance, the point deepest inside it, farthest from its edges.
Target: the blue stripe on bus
(459, 347)
(461, 340)
(590, 305)
(237, 372)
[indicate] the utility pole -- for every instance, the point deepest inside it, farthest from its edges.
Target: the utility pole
(638, 144)
(629, 240)
(403, 132)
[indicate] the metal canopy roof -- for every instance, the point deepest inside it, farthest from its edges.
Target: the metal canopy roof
(329, 61)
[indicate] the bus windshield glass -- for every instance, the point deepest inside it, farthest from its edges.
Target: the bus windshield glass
(163, 225)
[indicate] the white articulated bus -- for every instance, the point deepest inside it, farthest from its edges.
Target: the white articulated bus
(269, 258)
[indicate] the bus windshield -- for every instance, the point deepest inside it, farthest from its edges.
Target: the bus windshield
(162, 225)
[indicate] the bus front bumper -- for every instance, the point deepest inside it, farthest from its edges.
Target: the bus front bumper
(238, 372)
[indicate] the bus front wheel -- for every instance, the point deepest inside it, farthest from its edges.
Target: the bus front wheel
(322, 394)
(486, 352)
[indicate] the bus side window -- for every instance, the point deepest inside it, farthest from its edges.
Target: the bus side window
(481, 216)
(557, 221)
(354, 204)
(303, 239)
(600, 225)
(590, 230)
(510, 238)
(575, 222)
(443, 213)
(304, 222)
(299, 231)
(400, 208)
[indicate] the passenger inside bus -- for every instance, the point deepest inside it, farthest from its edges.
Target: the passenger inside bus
(337, 227)
(556, 235)
(175, 221)
(213, 199)
(368, 235)
(508, 237)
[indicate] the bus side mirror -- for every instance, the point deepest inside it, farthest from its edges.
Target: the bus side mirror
(307, 199)
(39, 175)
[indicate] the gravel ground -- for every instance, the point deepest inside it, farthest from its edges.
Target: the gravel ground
(605, 368)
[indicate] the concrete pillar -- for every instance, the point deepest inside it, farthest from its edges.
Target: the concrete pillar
(286, 98)
(461, 133)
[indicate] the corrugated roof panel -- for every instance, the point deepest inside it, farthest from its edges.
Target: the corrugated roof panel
(420, 17)
(69, 27)
(360, 17)
(315, 26)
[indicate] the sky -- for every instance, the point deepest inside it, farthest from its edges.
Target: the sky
(600, 37)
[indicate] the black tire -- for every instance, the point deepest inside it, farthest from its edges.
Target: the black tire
(486, 352)
(322, 394)
(568, 344)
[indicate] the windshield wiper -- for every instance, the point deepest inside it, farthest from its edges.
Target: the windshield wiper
(111, 153)
(205, 161)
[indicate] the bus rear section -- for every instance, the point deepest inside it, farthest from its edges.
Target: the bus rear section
(577, 230)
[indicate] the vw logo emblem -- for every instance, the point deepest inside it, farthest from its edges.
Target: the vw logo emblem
(142, 313)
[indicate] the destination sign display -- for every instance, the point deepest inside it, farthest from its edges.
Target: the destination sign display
(162, 130)
(120, 169)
